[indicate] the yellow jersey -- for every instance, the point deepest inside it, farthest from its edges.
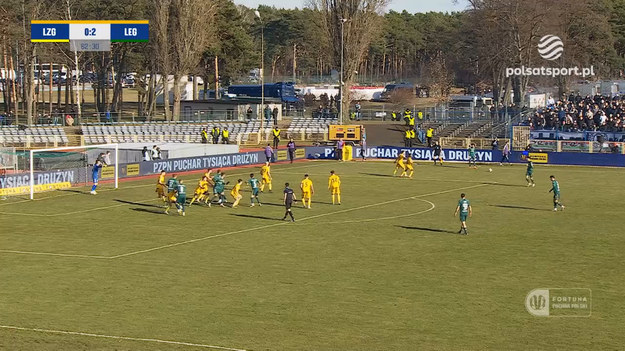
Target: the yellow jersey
(307, 185)
(400, 159)
(161, 179)
(334, 181)
(264, 171)
(235, 191)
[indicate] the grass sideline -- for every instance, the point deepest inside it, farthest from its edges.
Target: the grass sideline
(384, 271)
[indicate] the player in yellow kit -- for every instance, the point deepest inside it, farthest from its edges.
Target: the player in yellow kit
(409, 166)
(307, 190)
(399, 165)
(201, 192)
(161, 188)
(334, 184)
(265, 172)
(236, 193)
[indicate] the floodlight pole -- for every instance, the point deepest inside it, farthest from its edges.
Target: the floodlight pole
(343, 20)
(262, 68)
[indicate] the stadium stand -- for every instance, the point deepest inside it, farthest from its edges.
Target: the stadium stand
(164, 132)
(577, 114)
(34, 136)
(309, 125)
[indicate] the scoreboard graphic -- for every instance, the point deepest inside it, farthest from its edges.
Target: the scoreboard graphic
(89, 35)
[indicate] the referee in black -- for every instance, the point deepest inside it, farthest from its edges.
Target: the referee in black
(289, 198)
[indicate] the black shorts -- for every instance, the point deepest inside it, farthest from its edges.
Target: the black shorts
(288, 205)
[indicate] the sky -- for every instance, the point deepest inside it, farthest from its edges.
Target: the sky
(411, 6)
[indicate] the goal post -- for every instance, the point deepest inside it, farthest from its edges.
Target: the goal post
(69, 165)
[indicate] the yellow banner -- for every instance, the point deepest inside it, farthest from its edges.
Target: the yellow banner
(539, 157)
(300, 153)
(38, 188)
(108, 172)
(132, 170)
(281, 155)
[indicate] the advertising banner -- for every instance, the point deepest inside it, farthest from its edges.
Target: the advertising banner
(482, 156)
(50, 177)
(419, 154)
(201, 162)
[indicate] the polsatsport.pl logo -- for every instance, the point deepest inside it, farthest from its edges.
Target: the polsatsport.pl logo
(551, 48)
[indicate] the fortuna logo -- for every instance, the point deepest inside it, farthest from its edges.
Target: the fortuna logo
(550, 47)
(537, 302)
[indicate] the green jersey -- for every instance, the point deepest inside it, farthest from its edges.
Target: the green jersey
(172, 184)
(472, 152)
(182, 190)
(219, 181)
(254, 183)
(464, 206)
(555, 187)
(530, 168)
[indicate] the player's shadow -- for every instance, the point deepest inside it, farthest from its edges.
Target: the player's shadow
(147, 210)
(75, 191)
(434, 230)
(520, 207)
(138, 203)
(255, 217)
(321, 203)
(272, 204)
(380, 175)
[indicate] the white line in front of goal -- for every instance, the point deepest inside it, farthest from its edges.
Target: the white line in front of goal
(74, 212)
(64, 332)
(52, 254)
(286, 223)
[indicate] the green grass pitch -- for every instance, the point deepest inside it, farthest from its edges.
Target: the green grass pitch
(383, 271)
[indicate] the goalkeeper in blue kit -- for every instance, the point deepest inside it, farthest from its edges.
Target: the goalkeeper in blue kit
(95, 175)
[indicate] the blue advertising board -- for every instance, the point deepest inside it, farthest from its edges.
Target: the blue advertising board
(483, 156)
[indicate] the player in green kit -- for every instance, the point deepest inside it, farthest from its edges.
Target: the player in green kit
(529, 173)
(172, 185)
(472, 160)
(218, 189)
(255, 185)
(555, 187)
(465, 210)
(181, 198)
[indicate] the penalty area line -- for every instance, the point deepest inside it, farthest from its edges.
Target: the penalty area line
(75, 212)
(51, 254)
(287, 223)
(170, 342)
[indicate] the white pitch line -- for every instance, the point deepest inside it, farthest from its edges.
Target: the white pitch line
(285, 223)
(432, 206)
(51, 254)
(64, 332)
(74, 212)
(198, 239)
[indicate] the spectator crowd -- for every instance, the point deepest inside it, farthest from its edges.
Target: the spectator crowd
(578, 114)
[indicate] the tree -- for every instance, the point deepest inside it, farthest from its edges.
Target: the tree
(233, 45)
(161, 58)
(192, 24)
(355, 23)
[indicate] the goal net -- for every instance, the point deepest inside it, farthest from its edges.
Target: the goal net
(68, 167)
